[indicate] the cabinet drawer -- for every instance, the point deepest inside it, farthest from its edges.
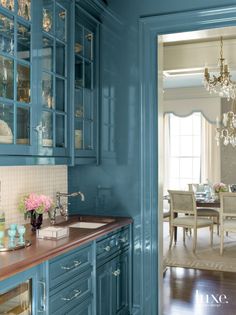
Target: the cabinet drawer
(113, 243)
(65, 298)
(84, 308)
(69, 265)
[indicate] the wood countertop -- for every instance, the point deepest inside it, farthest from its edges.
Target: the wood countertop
(41, 250)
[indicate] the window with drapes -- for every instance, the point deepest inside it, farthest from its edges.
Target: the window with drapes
(190, 151)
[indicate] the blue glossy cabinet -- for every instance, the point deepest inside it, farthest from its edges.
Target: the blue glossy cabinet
(24, 293)
(85, 80)
(49, 85)
(70, 282)
(34, 87)
(113, 278)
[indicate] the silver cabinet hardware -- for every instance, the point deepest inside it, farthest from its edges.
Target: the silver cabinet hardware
(116, 273)
(43, 304)
(107, 248)
(76, 264)
(77, 293)
(122, 239)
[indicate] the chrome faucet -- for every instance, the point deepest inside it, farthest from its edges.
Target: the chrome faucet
(64, 209)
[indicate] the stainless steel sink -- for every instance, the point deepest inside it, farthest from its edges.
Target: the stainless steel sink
(87, 225)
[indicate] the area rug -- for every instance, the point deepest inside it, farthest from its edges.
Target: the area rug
(205, 257)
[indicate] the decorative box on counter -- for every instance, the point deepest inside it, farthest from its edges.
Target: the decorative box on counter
(53, 232)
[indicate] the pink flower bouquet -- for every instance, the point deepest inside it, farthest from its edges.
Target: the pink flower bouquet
(37, 203)
(220, 187)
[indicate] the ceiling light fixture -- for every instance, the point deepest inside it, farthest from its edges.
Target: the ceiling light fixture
(227, 130)
(222, 85)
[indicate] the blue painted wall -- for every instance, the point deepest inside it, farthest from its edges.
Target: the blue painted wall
(113, 187)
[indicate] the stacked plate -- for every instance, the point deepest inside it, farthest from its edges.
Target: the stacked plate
(6, 135)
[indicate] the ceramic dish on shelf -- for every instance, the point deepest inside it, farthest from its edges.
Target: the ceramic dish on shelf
(5, 130)
(6, 139)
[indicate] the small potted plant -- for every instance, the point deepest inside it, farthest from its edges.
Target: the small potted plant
(33, 206)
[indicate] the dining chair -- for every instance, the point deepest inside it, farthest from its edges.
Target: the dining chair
(184, 214)
(227, 215)
(206, 211)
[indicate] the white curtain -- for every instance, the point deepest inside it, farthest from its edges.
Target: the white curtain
(210, 155)
(166, 159)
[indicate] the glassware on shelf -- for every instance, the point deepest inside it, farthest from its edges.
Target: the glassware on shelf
(60, 22)
(47, 20)
(8, 4)
(78, 139)
(23, 83)
(24, 8)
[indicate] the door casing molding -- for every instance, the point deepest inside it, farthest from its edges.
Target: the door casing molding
(150, 130)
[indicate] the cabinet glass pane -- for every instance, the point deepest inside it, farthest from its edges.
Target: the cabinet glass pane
(47, 20)
(78, 134)
(23, 42)
(24, 8)
(88, 127)
(60, 94)
(6, 123)
(88, 114)
(78, 72)
(79, 111)
(60, 22)
(47, 54)
(9, 4)
(17, 300)
(60, 59)
(23, 83)
(6, 78)
(88, 75)
(47, 90)
(47, 124)
(6, 34)
(79, 46)
(60, 131)
(88, 44)
(23, 125)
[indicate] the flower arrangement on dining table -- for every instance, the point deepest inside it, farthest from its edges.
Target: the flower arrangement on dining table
(33, 203)
(220, 187)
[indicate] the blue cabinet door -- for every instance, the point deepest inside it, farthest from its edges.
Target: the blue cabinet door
(85, 47)
(106, 289)
(24, 293)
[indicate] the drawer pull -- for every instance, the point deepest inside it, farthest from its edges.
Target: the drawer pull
(123, 240)
(77, 293)
(107, 248)
(116, 273)
(76, 264)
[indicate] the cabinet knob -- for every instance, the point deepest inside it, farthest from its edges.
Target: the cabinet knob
(107, 248)
(77, 293)
(116, 273)
(76, 264)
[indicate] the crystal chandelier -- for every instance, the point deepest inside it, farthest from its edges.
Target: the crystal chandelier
(222, 85)
(227, 130)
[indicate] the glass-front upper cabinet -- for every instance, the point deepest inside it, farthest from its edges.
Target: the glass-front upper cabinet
(53, 77)
(85, 86)
(15, 76)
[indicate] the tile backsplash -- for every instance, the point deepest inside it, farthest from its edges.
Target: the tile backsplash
(20, 180)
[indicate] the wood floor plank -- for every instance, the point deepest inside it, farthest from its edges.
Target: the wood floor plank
(199, 292)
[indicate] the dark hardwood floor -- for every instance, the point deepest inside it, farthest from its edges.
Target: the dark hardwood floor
(199, 292)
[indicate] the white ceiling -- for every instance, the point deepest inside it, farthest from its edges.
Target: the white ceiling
(186, 54)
